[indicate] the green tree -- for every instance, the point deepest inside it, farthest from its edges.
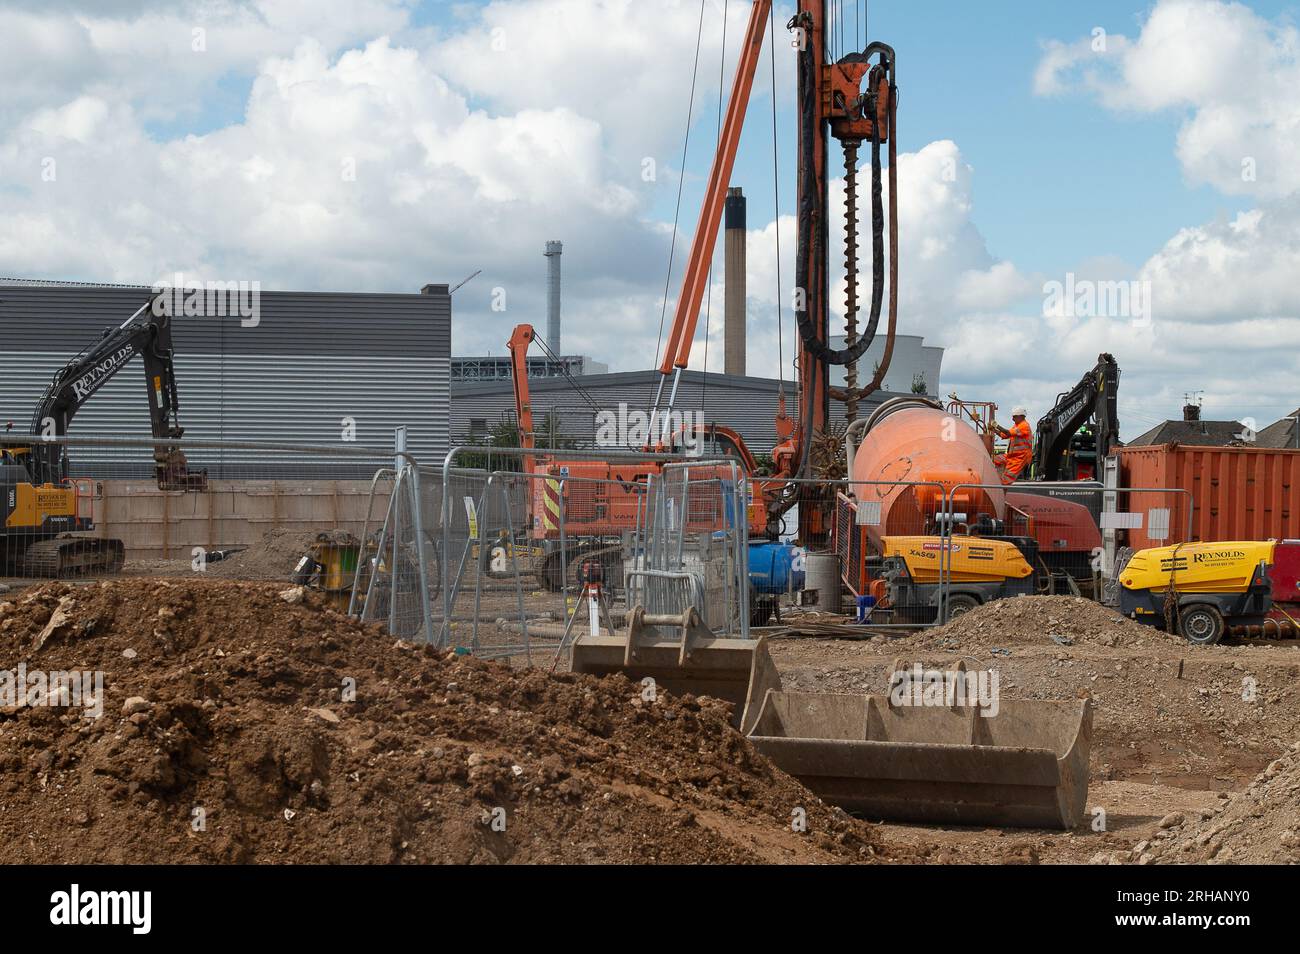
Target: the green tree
(504, 434)
(548, 434)
(551, 434)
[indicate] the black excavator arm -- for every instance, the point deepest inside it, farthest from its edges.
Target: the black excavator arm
(148, 335)
(1095, 397)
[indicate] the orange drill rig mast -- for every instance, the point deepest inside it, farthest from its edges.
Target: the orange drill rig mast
(853, 100)
(518, 344)
(834, 102)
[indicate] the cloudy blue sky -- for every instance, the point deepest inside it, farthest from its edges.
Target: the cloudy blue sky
(382, 144)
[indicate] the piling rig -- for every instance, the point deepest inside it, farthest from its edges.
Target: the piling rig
(854, 101)
(834, 102)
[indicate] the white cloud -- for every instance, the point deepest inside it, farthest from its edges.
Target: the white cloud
(626, 63)
(163, 57)
(945, 267)
(463, 158)
(944, 264)
(996, 287)
(1087, 63)
(77, 120)
(1231, 71)
(363, 169)
(368, 155)
(1240, 268)
(1226, 311)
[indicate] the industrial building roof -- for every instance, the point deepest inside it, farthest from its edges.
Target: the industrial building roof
(745, 403)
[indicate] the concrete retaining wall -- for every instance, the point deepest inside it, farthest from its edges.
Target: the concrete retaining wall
(161, 525)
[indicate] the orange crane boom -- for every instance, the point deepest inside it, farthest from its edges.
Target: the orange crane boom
(687, 315)
(518, 344)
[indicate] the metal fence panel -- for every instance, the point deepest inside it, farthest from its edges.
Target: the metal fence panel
(304, 531)
(512, 553)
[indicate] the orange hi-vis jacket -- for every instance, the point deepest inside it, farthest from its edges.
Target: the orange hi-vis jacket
(1020, 449)
(1020, 446)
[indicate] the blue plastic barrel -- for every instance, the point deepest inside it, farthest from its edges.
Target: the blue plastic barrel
(775, 567)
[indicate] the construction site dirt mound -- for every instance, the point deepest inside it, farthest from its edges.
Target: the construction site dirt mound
(276, 555)
(1260, 825)
(248, 722)
(1064, 620)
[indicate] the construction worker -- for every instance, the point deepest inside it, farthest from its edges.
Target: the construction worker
(1020, 446)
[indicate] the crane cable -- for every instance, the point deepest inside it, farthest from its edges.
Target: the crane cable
(681, 180)
(776, 210)
(564, 371)
(708, 300)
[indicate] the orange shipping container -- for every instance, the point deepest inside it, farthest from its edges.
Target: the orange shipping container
(1240, 493)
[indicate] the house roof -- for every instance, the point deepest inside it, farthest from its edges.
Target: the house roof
(1202, 433)
(1281, 433)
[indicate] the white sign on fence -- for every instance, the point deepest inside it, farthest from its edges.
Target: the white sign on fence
(1112, 520)
(1158, 523)
(867, 513)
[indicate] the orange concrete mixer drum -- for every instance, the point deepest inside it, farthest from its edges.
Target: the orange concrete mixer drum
(913, 439)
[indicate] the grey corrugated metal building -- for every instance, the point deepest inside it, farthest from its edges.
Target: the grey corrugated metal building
(746, 404)
(311, 359)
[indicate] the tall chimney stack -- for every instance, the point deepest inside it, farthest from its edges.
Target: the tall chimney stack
(552, 253)
(733, 321)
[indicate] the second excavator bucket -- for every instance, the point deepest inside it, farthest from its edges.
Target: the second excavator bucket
(1026, 765)
(681, 655)
(1023, 763)
(172, 471)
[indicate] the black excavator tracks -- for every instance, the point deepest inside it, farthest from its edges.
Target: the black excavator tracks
(65, 557)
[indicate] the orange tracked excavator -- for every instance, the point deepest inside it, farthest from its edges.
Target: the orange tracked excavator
(599, 499)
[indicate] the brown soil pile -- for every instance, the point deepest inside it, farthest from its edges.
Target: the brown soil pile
(275, 556)
(1260, 825)
(1036, 619)
(226, 736)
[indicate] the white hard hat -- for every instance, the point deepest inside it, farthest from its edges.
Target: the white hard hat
(1019, 411)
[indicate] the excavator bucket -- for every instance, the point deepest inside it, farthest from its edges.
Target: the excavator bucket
(1026, 765)
(681, 655)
